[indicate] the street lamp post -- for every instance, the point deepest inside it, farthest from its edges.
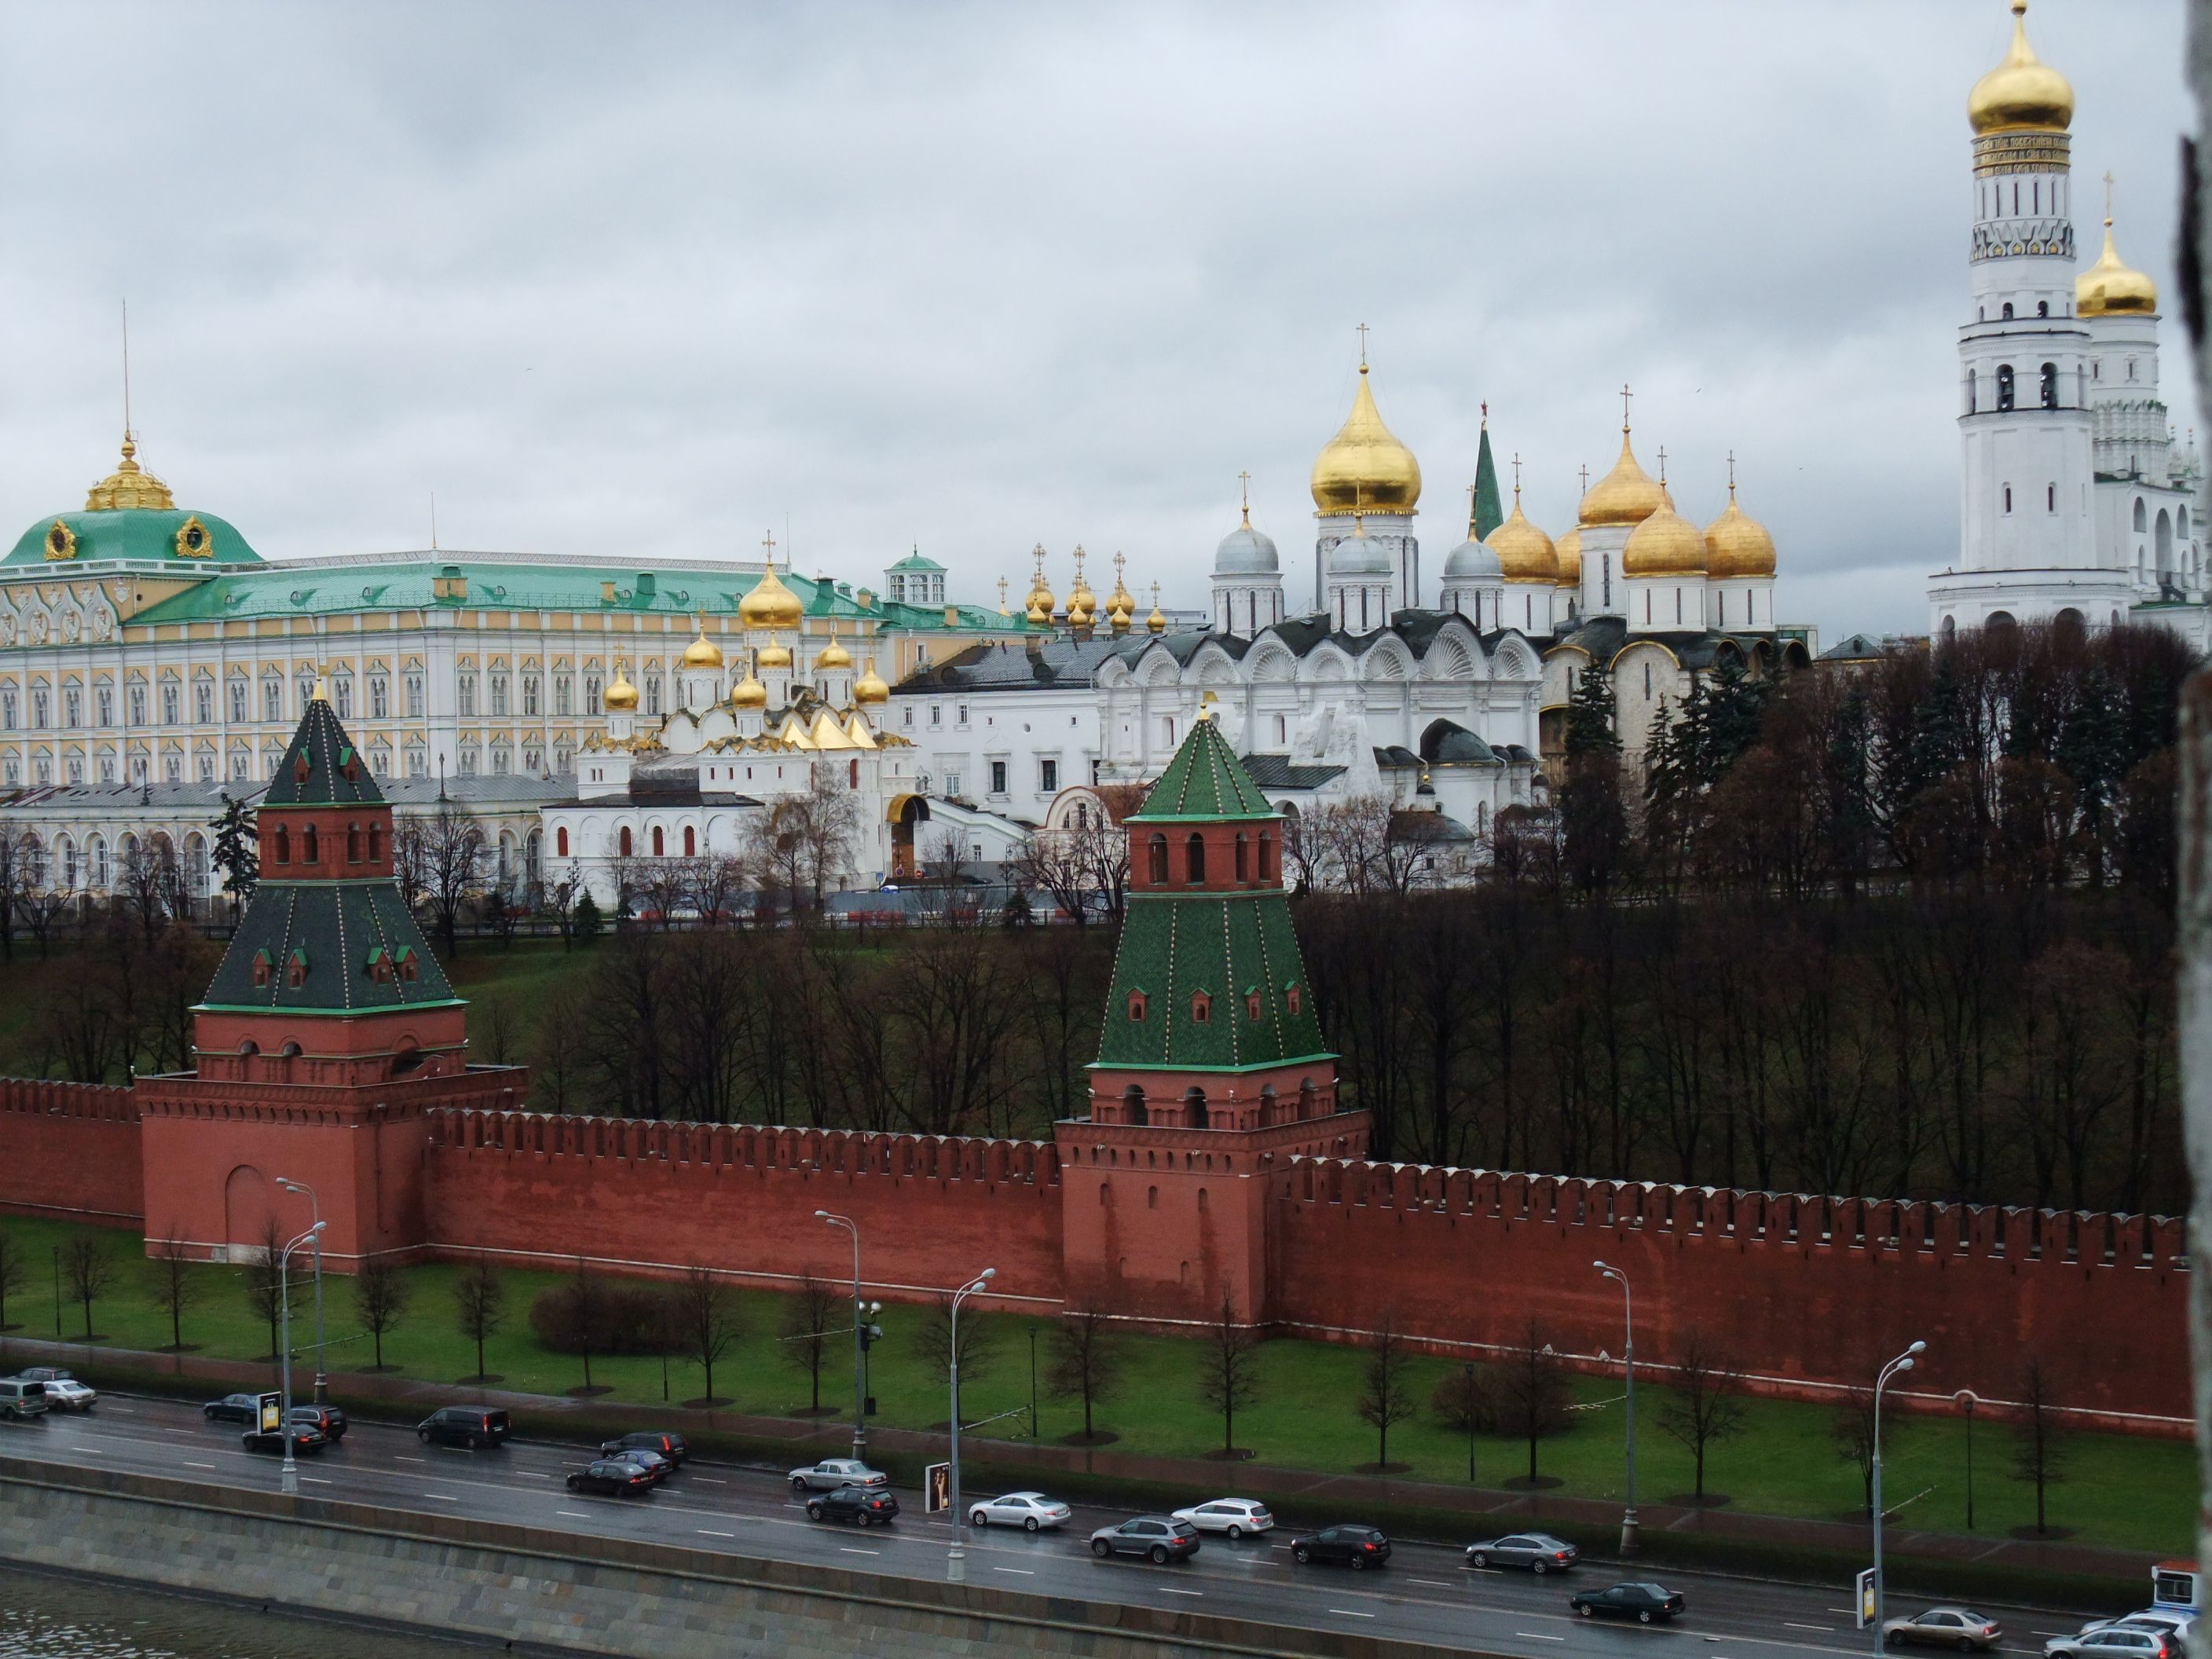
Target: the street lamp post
(1033, 1422)
(322, 1377)
(860, 1339)
(1902, 1363)
(1470, 1422)
(1966, 1400)
(289, 1479)
(1628, 1525)
(955, 1564)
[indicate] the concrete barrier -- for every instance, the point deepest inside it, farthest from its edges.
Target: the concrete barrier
(588, 1595)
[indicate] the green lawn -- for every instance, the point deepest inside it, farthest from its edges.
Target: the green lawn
(2119, 1490)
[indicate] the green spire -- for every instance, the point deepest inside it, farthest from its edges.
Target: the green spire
(1204, 780)
(1488, 513)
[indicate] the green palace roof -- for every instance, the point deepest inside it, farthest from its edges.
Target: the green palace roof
(130, 516)
(1204, 780)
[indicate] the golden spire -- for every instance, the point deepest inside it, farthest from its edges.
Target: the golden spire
(1737, 545)
(1365, 465)
(1525, 553)
(1245, 480)
(2022, 91)
(322, 692)
(749, 692)
(833, 655)
(1627, 494)
(1082, 603)
(1157, 622)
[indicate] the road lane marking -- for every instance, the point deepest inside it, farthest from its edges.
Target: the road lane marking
(1534, 1636)
(1793, 1625)
(1350, 1612)
(1433, 1583)
(573, 1515)
(191, 1465)
(1167, 1590)
(402, 1457)
(706, 1532)
(533, 1474)
(710, 1480)
(440, 1497)
(850, 1549)
(317, 1478)
(1024, 1571)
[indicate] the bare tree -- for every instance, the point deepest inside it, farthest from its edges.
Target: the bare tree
(18, 859)
(1086, 1362)
(263, 1294)
(89, 1271)
(15, 1272)
(40, 903)
(1056, 863)
(443, 852)
(1531, 1393)
(2042, 1443)
(560, 896)
(1229, 1371)
(932, 1342)
(587, 1301)
(381, 1292)
(1851, 1431)
(176, 1289)
(1704, 1407)
(705, 1312)
(716, 883)
(1386, 1389)
(804, 842)
(479, 1308)
(809, 1319)
(140, 887)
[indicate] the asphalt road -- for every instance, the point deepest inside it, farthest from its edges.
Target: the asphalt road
(1426, 1594)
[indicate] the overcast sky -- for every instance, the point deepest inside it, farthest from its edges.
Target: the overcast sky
(659, 278)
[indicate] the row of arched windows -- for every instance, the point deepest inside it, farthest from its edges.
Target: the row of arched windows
(363, 845)
(1246, 852)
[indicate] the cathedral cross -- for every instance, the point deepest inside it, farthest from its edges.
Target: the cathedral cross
(1624, 406)
(768, 542)
(1662, 464)
(1363, 345)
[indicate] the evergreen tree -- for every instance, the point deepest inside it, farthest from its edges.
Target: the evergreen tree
(588, 923)
(1734, 704)
(1591, 812)
(1590, 716)
(237, 852)
(2089, 751)
(1846, 802)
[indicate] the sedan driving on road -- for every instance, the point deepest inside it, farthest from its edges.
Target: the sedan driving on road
(1538, 1552)
(64, 1392)
(611, 1477)
(1159, 1539)
(234, 1408)
(1232, 1517)
(306, 1439)
(832, 1473)
(668, 1445)
(858, 1506)
(1647, 1604)
(2120, 1641)
(1032, 1511)
(1356, 1547)
(1943, 1627)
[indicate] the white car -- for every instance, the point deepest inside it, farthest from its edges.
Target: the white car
(832, 1473)
(1032, 1511)
(1231, 1516)
(64, 1392)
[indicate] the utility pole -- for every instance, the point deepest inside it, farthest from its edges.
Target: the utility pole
(955, 1564)
(1629, 1541)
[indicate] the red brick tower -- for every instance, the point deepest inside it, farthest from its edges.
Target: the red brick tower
(1212, 1064)
(327, 1031)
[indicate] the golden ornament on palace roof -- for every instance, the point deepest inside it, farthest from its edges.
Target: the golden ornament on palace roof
(2023, 92)
(749, 693)
(1525, 553)
(770, 604)
(130, 485)
(702, 652)
(1364, 469)
(773, 655)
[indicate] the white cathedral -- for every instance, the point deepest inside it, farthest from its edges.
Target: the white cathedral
(2077, 503)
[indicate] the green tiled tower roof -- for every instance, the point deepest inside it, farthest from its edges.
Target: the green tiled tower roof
(1204, 780)
(1236, 948)
(335, 775)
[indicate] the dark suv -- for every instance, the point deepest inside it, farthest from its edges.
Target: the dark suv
(670, 1446)
(1356, 1547)
(329, 1418)
(463, 1425)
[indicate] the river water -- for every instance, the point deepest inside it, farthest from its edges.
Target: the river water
(43, 1618)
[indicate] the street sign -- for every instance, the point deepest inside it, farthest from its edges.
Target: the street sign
(937, 1485)
(271, 1415)
(1866, 1598)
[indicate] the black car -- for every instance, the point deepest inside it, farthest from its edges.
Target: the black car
(329, 1418)
(855, 1505)
(1647, 1604)
(1356, 1547)
(234, 1408)
(613, 1477)
(1538, 1552)
(463, 1425)
(306, 1439)
(670, 1446)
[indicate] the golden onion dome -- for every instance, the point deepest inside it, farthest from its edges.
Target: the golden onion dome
(1364, 469)
(869, 687)
(1157, 622)
(2022, 91)
(770, 604)
(1627, 494)
(2110, 288)
(773, 655)
(1082, 603)
(749, 693)
(1568, 552)
(1665, 544)
(833, 655)
(1525, 553)
(1737, 545)
(621, 697)
(702, 652)
(130, 485)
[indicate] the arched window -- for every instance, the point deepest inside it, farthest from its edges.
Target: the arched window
(1137, 1006)
(281, 843)
(310, 851)
(375, 842)
(657, 848)
(2050, 386)
(1152, 1198)
(1243, 860)
(1194, 1110)
(2007, 498)
(1193, 859)
(2004, 383)
(624, 840)
(353, 843)
(1157, 847)
(2143, 519)
(1973, 388)
(561, 842)
(1132, 1106)
(1266, 857)
(691, 845)
(2043, 307)
(1254, 1007)
(2007, 312)
(1201, 1008)
(1293, 999)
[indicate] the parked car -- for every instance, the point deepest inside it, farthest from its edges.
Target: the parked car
(64, 1391)
(463, 1425)
(611, 1477)
(2124, 1640)
(1943, 1627)
(1232, 1517)
(21, 1399)
(668, 1443)
(1356, 1547)
(1032, 1511)
(652, 1463)
(234, 1408)
(306, 1439)
(1645, 1603)
(330, 1420)
(832, 1473)
(1539, 1552)
(1159, 1539)
(860, 1506)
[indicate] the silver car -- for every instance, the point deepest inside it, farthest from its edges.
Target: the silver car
(832, 1473)
(1232, 1517)
(2120, 1641)
(1942, 1627)
(1032, 1511)
(1538, 1552)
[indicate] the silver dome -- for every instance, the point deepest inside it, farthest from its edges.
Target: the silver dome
(1359, 555)
(1473, 560)
(1245, 551)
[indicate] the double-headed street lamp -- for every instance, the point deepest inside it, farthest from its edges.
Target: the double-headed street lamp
(1902, 1363)
(861, 1316)
(289, 1481)
(1628, 1527)
(955, 1564)
(315, 1213)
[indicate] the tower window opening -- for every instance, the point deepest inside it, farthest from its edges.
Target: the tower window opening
(658, 844)
(2050, 499)
(2007, 312)
(2049, 393)
(1201, 1008)
(309, 852)
(2043, 307)
(2008, 493)
(353, 843)
(282, 842)
(1973, 390)
(2004, 385)
(1193, 859)
(1159, 850)
(1243, 860)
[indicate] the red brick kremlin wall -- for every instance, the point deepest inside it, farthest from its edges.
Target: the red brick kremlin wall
(71, 1149)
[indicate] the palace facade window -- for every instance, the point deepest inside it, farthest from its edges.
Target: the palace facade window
(237, 701)
(499, 695)
(530, 696)
(380, 696)
(414, 696)
(41, 708)
(204, 703)
(466, 690)
(563, 695)
(72, 707)
(272, 697)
